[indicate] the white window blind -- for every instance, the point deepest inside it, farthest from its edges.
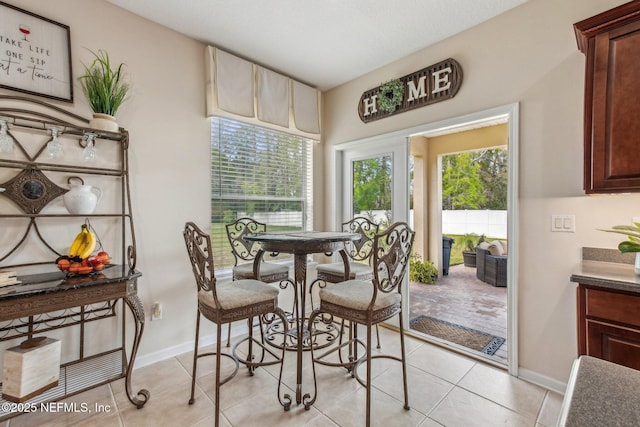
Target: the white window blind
(260, 173)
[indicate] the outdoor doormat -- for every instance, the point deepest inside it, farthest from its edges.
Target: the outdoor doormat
(467, 337)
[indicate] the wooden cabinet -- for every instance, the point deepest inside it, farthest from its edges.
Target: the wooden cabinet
(609, 325)
(611, 43)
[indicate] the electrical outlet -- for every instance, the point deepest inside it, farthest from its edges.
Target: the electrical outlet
(156, 312)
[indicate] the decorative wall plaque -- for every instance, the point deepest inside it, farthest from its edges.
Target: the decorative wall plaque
(36, 54)
(433, 84)
(31, 190)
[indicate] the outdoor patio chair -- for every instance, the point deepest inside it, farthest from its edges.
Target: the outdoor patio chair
(227, 302)
(368, 303)
(490, 268)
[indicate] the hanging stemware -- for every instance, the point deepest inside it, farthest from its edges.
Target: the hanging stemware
(54, 147)
(89, 153)
(6, 141)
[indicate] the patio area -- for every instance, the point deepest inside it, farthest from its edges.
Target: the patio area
(460, 298)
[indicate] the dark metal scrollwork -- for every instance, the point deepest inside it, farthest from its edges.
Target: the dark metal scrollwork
(31, 190)
(135, 306)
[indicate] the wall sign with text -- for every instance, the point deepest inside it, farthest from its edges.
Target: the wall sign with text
(35, 54)
(433, 84)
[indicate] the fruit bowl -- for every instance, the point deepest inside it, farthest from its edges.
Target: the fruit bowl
(73, 266)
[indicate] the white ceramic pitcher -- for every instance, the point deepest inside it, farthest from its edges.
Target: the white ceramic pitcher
(81, 199)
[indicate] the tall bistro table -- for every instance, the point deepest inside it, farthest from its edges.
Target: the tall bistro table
(301, 244)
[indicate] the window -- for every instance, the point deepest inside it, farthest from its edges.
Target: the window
(261, 173)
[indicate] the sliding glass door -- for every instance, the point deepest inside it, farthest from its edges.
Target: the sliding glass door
(375, 183)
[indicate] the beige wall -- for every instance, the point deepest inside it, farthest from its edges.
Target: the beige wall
(527, 55)
(169, 151)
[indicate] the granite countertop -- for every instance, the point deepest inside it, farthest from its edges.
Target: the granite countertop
(600, 393)
(57, 281)
(302, 242)
(605, 268)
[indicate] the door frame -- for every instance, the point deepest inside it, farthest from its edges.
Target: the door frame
(511, 113)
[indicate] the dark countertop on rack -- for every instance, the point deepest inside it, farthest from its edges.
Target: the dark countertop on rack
(57, 281)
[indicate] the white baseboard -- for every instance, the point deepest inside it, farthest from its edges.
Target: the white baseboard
(238, 329)
(542, 380)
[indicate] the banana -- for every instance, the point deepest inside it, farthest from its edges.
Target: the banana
(84, 243)
(90, 244)
(77, 242)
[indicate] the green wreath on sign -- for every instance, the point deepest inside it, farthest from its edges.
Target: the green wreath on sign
(391, 95)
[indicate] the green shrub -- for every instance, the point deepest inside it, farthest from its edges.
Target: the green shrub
(422, 271)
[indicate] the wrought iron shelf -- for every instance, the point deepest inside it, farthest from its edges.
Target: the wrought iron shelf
(46, 302)
(38, 215)
(16, 164)
(29, 122)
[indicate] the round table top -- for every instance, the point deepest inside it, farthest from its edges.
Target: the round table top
(302, 241)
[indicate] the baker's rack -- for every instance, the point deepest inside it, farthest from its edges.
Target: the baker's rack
(32, 194)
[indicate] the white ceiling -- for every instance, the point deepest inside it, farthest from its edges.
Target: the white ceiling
(323, 43)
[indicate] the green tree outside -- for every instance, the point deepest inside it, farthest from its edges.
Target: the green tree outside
(475, 180)
(372, 184)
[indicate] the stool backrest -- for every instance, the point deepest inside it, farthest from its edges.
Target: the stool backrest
(361, 250)
(201, 257)
(391, 253)
(242, 249)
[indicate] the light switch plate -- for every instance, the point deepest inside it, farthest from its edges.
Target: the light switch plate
(563, 223)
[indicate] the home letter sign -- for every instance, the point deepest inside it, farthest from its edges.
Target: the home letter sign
(433, 84)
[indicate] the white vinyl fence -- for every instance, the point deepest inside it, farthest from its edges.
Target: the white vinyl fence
(489, 223)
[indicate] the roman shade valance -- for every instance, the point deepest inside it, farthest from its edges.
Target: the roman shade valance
(237, 87)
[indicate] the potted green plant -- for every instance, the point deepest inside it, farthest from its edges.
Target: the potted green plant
(470, 242)
(106, 88)
(632, 244)
(422, 271)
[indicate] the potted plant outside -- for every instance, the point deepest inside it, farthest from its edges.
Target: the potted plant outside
(470, 242)
(106, 89)
(422, 271)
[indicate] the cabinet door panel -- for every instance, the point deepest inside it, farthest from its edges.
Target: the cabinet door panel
(613, 306)
(616, 90)
(615, 344)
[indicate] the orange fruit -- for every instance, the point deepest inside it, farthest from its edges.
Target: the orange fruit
(63, 264)
(98, 267)
(85, 269)
(74, 266)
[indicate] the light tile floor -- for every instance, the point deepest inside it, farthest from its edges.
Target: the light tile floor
(445, 389)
